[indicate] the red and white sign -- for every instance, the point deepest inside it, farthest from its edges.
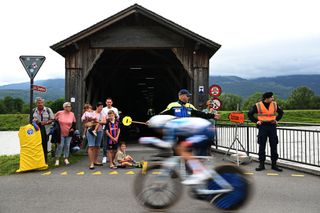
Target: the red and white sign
(216, 103)
(215, 90)
(39, 88)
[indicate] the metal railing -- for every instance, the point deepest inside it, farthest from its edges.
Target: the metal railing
(298, 142)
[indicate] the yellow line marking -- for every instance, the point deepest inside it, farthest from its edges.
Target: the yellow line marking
(249, 173)
(156, 173)
(272, 174)
(97, 173)
(297, 175)
(80, 173)
(64, 173)
(113, 173)
(130, 173)
(47, 173)
(144, 167)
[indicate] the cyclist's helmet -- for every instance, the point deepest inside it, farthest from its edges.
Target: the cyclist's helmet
(158, 121)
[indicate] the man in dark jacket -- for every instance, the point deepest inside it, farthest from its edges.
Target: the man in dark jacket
(268, 115)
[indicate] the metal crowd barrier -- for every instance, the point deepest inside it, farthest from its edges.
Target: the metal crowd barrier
(298, 142)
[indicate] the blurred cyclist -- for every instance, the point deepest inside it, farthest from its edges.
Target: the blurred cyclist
(185, 133)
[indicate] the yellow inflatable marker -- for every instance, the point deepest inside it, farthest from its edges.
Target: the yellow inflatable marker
(31, 152)
(127, 121)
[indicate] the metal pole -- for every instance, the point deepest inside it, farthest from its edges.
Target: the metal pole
(31, 100)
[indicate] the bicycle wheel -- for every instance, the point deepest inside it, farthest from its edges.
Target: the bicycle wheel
(158, 188)
(241, 189)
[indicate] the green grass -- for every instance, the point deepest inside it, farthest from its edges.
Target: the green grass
(10, 163)
(12, 122)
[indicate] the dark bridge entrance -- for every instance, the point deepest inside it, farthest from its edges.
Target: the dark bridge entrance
(137, 80)
(138, 58)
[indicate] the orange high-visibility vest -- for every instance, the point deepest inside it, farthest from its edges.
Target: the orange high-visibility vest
(265, 114)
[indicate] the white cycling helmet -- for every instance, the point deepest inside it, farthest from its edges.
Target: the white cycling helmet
(158, 121)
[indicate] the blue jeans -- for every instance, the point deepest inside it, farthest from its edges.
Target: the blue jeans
(65, 145)
(94, 141)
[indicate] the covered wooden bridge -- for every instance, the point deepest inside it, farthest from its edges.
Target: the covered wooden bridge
(138, 58)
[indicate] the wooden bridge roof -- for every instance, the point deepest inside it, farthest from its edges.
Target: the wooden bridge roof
(61, 46)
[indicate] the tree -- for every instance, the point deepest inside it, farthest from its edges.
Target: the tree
(252, 100)
(301, 98)
(230, 101)
(55, 105)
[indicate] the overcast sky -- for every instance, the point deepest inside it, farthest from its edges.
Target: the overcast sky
(258, 38)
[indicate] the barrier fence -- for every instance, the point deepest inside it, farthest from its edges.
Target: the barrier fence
(298, 142)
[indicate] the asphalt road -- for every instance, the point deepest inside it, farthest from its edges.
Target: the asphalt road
(77, 189)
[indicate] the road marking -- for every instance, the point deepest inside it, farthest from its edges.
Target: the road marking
(297, 175)
(249, 173)
(64, 173)
(97, 173)
(47, 173)
(80, 173)
(272, 174)
(130, 173)
(156, 173)
(113, 173)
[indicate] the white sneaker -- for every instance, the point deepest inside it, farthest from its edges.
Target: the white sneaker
(196, 179)
(66, 161)
(104, 160)
(57, 163)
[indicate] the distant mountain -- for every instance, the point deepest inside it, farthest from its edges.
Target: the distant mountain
(282, 86)
(55, 90)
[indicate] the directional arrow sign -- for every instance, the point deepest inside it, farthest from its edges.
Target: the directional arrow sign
(32, 64)
(39, 88)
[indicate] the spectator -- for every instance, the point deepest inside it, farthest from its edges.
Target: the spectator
(89, 118)
(43, 116)
(209, 110)
(112, 131)
(105, 111)
(76, 142)
(121, 159)
(67, 123)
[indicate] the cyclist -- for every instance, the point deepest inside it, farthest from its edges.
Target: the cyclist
(185, 133)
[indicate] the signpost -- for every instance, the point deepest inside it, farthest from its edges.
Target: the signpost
(32, 65)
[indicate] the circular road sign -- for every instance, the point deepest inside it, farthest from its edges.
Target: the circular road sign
(216, 103)
(215, 90)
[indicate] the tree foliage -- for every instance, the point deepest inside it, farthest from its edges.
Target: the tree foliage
(252, 100)
(303, 98)
(230, 101)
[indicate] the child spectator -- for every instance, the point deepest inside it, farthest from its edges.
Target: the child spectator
(122, 159)
(90, 119)
(112, 131)
(76, 142)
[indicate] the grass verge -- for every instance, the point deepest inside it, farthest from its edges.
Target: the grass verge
(10, 163)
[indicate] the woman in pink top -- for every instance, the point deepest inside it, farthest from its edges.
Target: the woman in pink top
(66, 120)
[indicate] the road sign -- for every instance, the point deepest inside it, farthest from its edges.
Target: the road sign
(39, 88)
(201, 89)
(215, 90)
(32, 64)
(216, 103)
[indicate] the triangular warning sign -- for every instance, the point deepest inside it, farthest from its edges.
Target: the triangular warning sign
(32, 64)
